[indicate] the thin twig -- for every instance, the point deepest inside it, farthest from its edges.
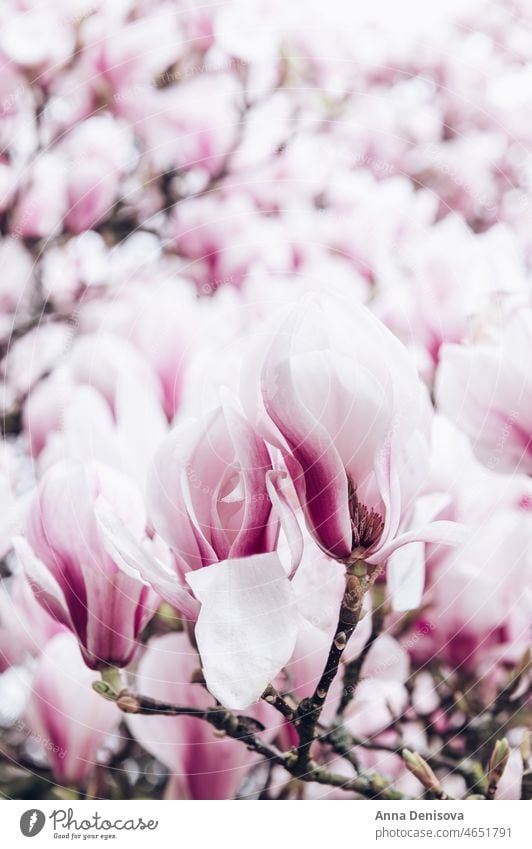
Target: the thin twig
(245, 728)
(242, 728)
(279, 702)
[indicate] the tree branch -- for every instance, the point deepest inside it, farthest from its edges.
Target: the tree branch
(242, 728)
(357, 583)
(246, 728)
(354, 667)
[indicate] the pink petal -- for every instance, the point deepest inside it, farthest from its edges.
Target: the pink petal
(254, 463)
(439, 533)
(135, 560)
(287, 517)
(45, 587)
(317, 470)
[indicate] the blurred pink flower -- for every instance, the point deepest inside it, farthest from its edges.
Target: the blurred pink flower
(25, 627)
(486, 389)
(202, 764)
(103, 403)
(480, 615)
(69, 720)
(99, 151)
(39, 212)
(71, 574)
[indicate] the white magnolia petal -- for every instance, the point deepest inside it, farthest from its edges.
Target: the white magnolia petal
(405, 576)
(247, 627)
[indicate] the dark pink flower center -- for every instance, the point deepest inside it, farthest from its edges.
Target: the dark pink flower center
(366, 524)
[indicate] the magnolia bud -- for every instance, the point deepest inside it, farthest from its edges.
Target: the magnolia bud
(423, 772)
(497, 765)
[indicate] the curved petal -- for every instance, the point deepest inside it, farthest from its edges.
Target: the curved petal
(405, 576)
(254, 464)
(247, 627)
(443, 533)
(88, 428)
(168, 507)
(133, 558)
(287, 518)
(318, 473)
(45, 587)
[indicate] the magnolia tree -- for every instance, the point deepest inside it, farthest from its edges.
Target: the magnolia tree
(266, 357)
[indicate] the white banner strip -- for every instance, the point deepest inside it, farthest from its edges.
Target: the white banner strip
(468, 825)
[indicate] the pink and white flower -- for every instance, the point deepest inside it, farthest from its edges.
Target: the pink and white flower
(70, 572)
(487, 390)
(209, 499)
(202, 764)
(65, 715)
(342, 400)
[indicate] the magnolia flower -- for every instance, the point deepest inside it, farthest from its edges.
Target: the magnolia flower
(486, 389)
(210, 500)
(24, 626)
(343, 401)
(16, 283)
(102, 403)
(65, 715)
(427, 316)
(71, 574)
(13, 503)
(202, 764)
(99, 151)
(39, 211)
(480, 613)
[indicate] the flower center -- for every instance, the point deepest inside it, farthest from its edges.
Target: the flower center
(366, 524)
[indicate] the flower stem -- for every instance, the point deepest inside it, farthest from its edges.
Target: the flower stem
(357, 582)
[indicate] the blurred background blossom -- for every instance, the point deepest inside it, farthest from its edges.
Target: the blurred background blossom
(174, 176)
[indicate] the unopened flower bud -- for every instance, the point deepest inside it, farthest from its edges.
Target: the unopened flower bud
(423, 772)
(497, 765)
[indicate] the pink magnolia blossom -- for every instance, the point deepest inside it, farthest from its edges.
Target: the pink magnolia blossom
(480, 615)
(192, 126)
(510, 783)
(126, 53)
(34, 38)
(211, 210)
(161, 319)
(103, 403)
(210, 500)
(31, 357)
(202, 764)
(227, 238)
(25, 627)
(69, 270)
(426, 317)
(14, 497)
(39, 212)
(72, 576)
(16, 284)
(486, 389)
(343, 401)
(99, 152)
(65, 715)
